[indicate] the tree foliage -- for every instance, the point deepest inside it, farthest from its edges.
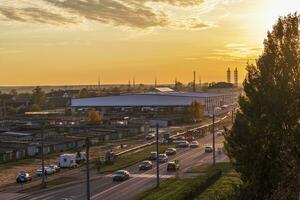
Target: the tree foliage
(84, 93)
(38, 96)
(264, 143)
(94, 115)
(196, 110)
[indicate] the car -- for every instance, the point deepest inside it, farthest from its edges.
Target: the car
(23, 177)
(194, 144)
(153, 155)
(121, 175)
(219, 150)
(208, 149)
(150, 136)
(171, 151)
(162, 158)
(55, 168)
(47, 171)
(219, 133)
(184, 144)
(145, 165)
(173, 166)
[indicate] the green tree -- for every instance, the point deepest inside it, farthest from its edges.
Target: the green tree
(196, 110)
(38, 96)
(84, 93)
(13, 92)
(264, 143)
(35, 108)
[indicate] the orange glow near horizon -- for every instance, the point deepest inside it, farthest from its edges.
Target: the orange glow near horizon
(166, 42)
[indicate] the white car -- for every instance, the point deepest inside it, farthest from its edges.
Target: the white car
(47, 171)
(184, 144)
(209, 149)
(170, 151)
(219, 133)
(150, 136)
(194, 144)
(55, 168)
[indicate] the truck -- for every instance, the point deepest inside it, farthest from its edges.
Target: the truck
(67, 161)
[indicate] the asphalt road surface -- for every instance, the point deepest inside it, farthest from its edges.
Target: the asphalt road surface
(102, 186)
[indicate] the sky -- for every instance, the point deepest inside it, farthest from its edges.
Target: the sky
(64, 42)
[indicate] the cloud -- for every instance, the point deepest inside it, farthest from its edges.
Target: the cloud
(130, 13)
(114, 12)
(235, 52)
(34, 15)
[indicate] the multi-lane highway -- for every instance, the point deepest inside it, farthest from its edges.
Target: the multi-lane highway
(102, 186)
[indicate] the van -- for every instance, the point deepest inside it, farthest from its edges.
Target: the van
(67, 161)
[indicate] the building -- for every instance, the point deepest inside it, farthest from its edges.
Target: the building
(228, 75)
(236, 77)
(153, 101)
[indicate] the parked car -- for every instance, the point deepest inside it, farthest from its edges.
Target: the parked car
(173, 166)
(194, 144)
(121, 175)
(171, 151)
(47, 171)
(153, 155)
(150, 136)
(209, 149)
(184, 144)
(23, 177)
(162, 158)
(219, 133)
(145, 165)
(219, 150)
(55, 168)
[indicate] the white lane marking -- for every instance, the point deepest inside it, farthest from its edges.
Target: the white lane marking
(146, 175)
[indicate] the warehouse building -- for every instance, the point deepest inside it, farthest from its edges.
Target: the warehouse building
(153, 101)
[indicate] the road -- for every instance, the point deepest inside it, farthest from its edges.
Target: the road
(102, 186)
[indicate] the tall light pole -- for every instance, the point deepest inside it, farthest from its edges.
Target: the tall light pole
(213, 132)
(157, 153)
(43, 159)
(88, 193)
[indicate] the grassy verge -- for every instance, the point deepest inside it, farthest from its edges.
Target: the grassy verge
(9, 165)
(130, 159)
(225, 167)
(222, 187)
(182, 189)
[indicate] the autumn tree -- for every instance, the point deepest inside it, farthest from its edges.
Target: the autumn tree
(84, 93)
(94, 115)
(264, 142)
(196, 110)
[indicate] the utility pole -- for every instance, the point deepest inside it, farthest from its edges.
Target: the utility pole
(88, 194)
(194, 82)
(157, 163)
(213, 132)
(43, 159)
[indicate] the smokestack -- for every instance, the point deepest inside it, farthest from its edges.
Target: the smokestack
(228, 76)
(194, 83)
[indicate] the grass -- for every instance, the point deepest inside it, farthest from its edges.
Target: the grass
(181, 189)
(222, 187)
(225, 167)
(127, 160)
(9, 165)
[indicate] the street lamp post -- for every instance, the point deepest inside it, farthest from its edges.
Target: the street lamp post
(213, 132)
(157, 163)
(88, 193)
(43, 158)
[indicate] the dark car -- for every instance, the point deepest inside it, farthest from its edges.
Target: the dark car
(145, 165)
(171, 151)
(23, 177)
(162, 158)
(153, 155)
(173, 166)
(121, 175)
(184, 144)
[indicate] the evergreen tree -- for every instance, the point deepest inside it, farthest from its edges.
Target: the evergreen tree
(264, 143)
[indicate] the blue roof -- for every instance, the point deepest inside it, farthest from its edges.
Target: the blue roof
(145, 99)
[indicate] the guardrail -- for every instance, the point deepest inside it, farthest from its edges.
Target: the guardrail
(172, 136)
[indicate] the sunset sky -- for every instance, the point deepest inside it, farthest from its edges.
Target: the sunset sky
(59, 42)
